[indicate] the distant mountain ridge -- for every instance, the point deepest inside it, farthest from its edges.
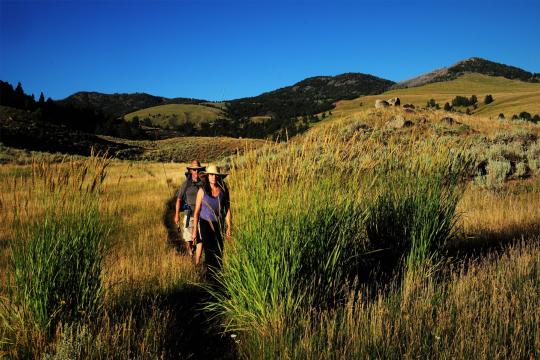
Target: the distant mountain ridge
(119, 104)
(347, 85)
(471, 65)
(309, 96)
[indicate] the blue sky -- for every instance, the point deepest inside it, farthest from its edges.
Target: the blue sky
(229, 49)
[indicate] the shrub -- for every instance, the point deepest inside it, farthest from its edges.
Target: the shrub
(497, 172)
(521, 170)
(533, 157)
(432, 104)
(511, 152)
(488, 99)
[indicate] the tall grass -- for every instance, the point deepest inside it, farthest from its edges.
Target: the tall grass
(486, 311)
(315, 214)
(414, 215)
(58, 250)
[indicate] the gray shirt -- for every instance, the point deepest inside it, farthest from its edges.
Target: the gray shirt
(190, 188)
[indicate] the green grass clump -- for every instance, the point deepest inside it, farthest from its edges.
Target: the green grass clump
(57, 253)
(414, 214)
(57, 265)
(316, 214)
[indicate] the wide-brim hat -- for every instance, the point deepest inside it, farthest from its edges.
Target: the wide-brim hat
(215, 170)
(195, 165)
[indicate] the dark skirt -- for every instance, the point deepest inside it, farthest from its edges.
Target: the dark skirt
(212, 239)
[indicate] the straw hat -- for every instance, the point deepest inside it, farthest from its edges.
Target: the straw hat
(215, 170)
(195, 165)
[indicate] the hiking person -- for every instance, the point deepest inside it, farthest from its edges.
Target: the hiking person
(212, 216)
(185, 201)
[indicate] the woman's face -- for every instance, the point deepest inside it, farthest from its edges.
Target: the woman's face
(212, 178)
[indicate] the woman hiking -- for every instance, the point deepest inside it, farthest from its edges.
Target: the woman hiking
(212, 216)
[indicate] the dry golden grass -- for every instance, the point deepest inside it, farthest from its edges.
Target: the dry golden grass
(377, 118)
(505, 215)
(136, 193)
(511, 96)
(487, 309)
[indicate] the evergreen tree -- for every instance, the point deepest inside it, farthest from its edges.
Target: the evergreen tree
(19, 90)
(41, 101)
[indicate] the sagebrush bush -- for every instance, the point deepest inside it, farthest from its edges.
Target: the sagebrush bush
(521, 136)
(497, 172)
(533, 157)
(521, 170)
(510, 152)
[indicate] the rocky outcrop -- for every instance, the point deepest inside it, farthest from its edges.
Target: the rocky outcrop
(385, 103)
(380, 104)
(394, 101)
(398, 122)
(449, 121)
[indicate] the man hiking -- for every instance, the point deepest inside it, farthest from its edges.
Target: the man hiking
(185, 201)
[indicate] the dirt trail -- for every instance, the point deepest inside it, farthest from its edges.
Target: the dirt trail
(193, 334)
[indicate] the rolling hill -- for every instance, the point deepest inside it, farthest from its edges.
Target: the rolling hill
(510, 96)
(472, 65)
(175, 115)
(120, 104)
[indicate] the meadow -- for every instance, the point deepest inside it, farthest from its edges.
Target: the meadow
(510, 96)
(354, 240)
(179, 113)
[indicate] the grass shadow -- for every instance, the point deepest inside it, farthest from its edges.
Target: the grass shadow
(173, 235)
(482, 242)
(190, 331)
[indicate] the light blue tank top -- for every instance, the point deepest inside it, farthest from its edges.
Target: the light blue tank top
(211, 207)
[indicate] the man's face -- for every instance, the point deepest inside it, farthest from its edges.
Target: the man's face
(194, 174)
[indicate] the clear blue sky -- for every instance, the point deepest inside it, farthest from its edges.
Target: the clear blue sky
(229, 49)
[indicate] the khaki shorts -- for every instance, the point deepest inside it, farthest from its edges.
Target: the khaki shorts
(188, 231)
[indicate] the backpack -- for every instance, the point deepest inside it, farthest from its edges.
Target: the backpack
(185, 206)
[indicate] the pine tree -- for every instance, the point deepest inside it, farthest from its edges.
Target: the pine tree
(41, 100)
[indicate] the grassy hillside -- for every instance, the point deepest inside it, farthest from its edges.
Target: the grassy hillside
(463, 254)
(176, 115)
(185, 149)
(120, 104)
(511, 96)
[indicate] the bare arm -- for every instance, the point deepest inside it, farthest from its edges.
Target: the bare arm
(177, 213)
(228, 222)
(197, 213)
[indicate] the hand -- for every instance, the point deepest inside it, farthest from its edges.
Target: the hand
(228, 233)
(176, 219)
(194, 236)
